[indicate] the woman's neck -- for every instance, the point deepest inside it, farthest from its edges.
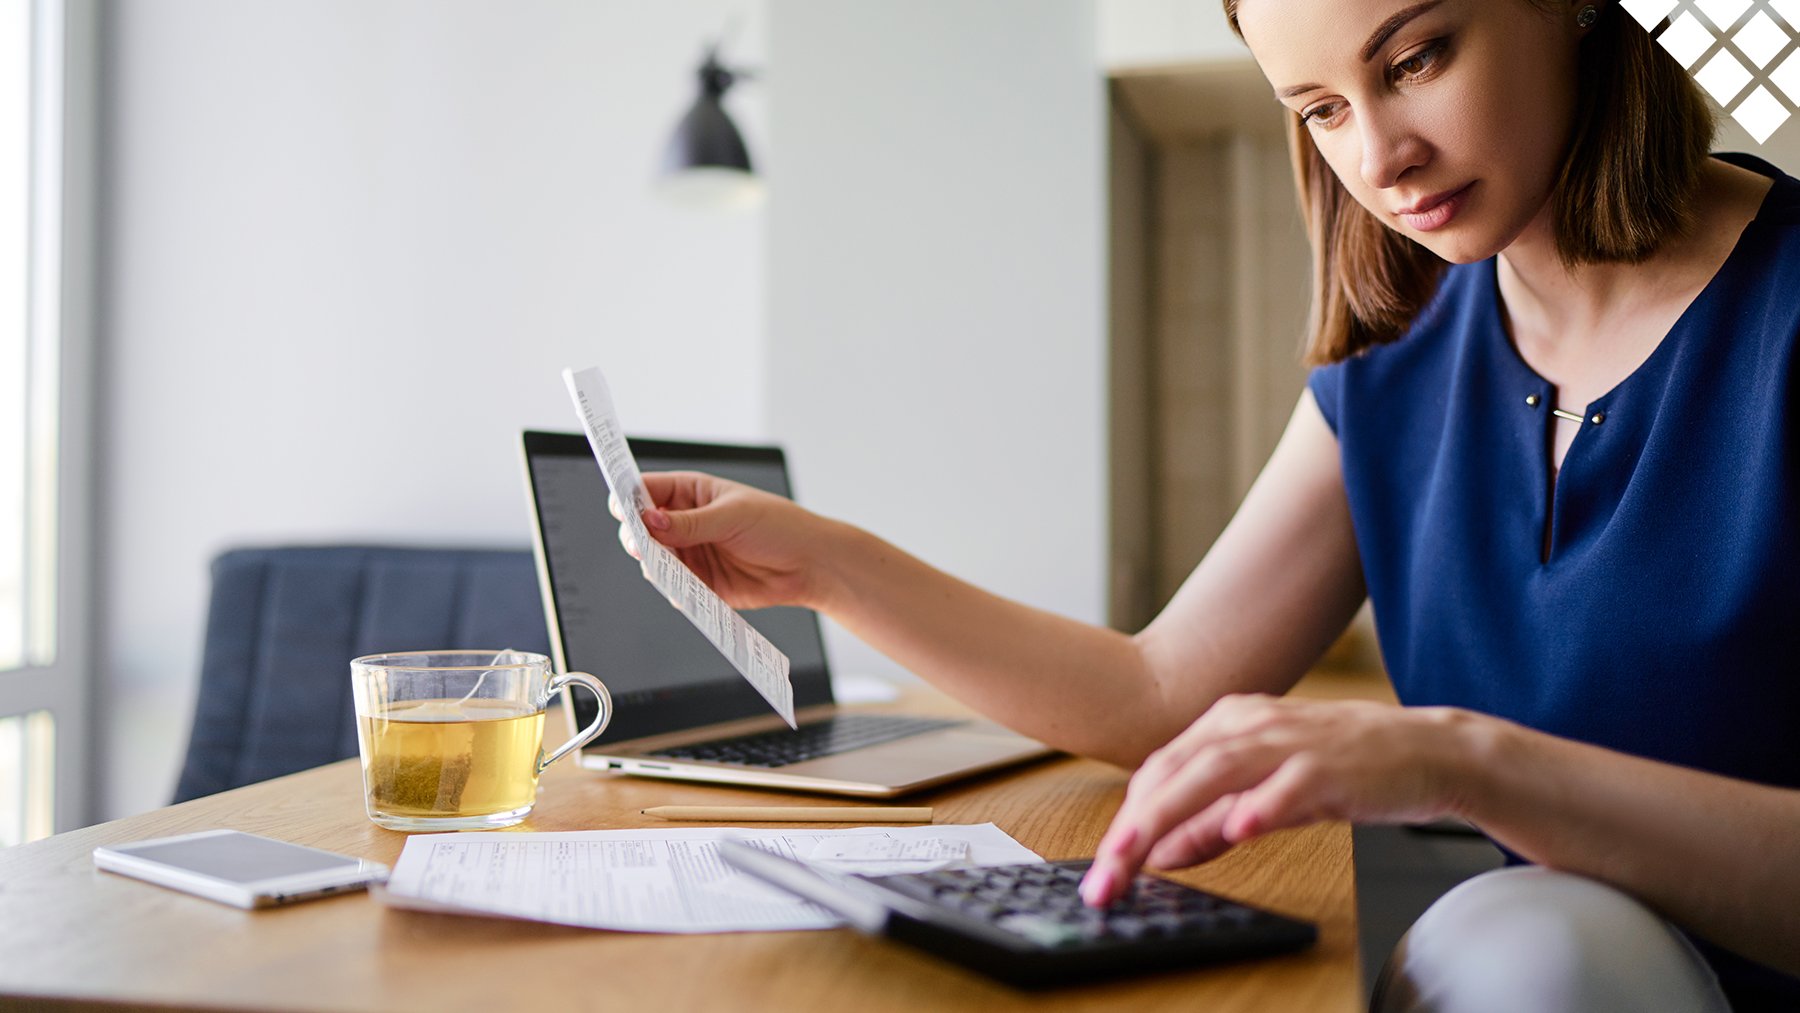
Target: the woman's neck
(1547, 301)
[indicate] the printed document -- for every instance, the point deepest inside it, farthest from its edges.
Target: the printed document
(665, 880)
(760, 662)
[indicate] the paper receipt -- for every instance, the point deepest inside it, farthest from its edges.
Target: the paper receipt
(761, 663)
(890, 849)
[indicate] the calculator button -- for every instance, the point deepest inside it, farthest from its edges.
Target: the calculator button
(1158, 923)
(1128, 926)
(1042, 931)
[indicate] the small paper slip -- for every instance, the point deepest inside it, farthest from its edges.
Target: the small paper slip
(652, 880)
(869, 855)
(889, 849)
(761, 663)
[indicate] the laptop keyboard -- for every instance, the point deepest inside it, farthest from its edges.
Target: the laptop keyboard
(810, 741)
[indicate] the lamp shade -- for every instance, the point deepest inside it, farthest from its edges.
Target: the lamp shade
(706, 163)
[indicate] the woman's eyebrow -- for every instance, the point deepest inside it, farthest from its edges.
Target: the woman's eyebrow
(1393, 24)
(1377, 39)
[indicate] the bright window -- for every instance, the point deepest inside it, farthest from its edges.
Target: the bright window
(27, 744)
(42, 688)
(15, 325)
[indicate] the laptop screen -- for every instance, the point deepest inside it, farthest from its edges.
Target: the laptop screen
(662, 673)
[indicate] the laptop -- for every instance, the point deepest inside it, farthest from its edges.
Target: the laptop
(680, 710)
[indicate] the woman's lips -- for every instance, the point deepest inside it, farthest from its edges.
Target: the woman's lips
(1437, 214)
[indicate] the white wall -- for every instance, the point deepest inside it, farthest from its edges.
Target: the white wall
(936, 284)
(347, 246)
(1148, 33)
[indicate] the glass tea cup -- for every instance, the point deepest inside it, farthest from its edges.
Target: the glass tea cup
(453, 740)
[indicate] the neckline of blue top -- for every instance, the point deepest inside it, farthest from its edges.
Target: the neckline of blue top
(1535, 390)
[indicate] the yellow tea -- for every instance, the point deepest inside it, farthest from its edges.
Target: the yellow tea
(449, 758)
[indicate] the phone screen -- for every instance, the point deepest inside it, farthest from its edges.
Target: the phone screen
(239, 858)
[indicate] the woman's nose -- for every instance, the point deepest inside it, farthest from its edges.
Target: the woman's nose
(1390, 147)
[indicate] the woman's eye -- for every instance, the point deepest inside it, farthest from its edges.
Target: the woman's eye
(1321, 115)
(1419, 62)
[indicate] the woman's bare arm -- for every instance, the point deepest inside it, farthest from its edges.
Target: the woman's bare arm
(1708, 852)
(1713, 854)
(1277, 587)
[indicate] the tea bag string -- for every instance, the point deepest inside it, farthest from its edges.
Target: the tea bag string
(491, 666)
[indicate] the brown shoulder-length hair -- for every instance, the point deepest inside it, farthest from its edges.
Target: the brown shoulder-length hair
(1642, 130)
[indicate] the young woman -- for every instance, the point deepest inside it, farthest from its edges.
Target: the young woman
(1549, 436)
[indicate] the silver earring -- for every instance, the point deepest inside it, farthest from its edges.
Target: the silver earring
(1585, 17)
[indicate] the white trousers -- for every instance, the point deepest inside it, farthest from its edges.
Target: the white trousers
(1530, 939)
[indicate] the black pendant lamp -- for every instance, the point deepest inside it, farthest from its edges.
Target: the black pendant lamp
(706, 164)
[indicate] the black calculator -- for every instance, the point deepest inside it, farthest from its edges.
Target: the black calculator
(1026, 925)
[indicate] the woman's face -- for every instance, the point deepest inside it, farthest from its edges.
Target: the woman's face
(1447, 119)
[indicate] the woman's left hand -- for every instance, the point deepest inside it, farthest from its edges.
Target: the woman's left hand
(1253, 763)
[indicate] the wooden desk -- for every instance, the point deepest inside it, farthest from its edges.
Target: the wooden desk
(76, 937)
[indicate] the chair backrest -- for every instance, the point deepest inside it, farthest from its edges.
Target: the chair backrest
(284, 623)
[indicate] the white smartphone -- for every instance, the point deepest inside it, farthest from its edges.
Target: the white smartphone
(243, 870)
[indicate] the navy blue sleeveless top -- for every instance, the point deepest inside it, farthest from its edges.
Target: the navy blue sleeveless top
(1665, 620)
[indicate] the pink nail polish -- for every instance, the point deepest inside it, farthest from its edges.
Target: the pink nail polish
(1096, 888)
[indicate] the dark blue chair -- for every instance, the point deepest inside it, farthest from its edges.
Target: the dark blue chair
(285, 622)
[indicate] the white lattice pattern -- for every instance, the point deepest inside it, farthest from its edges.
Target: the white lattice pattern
(1741, 51)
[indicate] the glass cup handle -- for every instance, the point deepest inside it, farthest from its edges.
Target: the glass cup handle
(594, 728)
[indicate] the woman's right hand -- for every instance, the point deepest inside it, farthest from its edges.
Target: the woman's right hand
(755, 549)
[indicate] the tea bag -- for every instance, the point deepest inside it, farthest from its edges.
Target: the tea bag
(439, 710)
(420, 783)
(408, 780)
